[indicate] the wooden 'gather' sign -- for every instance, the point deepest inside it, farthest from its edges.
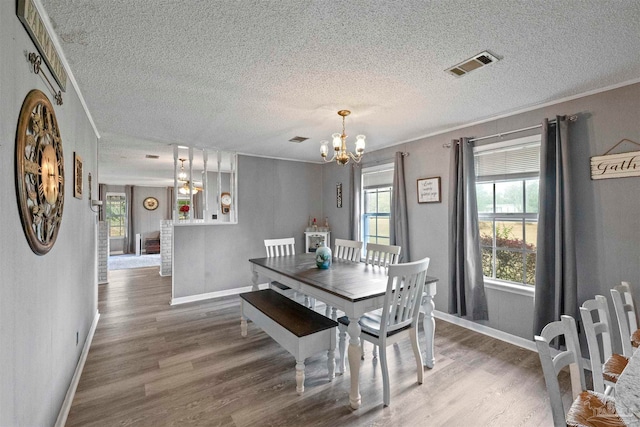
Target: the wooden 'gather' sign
(616, 165)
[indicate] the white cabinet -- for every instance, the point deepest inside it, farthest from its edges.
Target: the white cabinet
(312, 239)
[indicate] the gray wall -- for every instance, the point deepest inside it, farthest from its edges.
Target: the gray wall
(44, 300)
(276, 198)
(607, 212)
(146, 222)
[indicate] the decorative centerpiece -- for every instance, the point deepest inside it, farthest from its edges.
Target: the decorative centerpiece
(323, 256)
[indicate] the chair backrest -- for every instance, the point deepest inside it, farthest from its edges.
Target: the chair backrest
(381, 255)
(625, 314)
(280, 247)
(551, 365)
(347, 249)
(593, 329)
(403, 296)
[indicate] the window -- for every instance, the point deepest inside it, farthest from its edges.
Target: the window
(117, 214)
(376, 201)
(507, 177)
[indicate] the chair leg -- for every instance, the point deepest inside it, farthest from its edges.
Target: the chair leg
(386, 399)
(417, 354)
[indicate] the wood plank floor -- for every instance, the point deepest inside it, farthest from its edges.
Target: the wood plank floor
(151, 364)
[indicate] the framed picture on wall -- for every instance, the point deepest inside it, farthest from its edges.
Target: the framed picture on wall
(429, 190)
(77, 176)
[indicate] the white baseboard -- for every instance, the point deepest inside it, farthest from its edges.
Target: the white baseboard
(71, 391)
(486, 330)
(212, 295)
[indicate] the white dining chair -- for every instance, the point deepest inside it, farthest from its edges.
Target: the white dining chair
(349, 250)
(588, 408)
(397, 320)
(283, 247)
(380, 256)
(626, 316)
(606, 366)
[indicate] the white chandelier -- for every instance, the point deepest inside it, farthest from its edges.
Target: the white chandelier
(340, 153)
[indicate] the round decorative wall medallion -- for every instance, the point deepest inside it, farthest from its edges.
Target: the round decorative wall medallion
(39, 172)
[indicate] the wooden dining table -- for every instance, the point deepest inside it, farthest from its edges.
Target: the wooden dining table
(353, 287)
(627, 392)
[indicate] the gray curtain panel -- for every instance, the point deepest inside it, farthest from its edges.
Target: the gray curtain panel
(399, 218)
(129, 244)
(102, 195)
(170, 203)
(466, 283)
(556, 289)
(355, 186)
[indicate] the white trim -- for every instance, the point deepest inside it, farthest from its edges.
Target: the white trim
(54, 38)
(486, 330)
(71, 391)
(212, 295)
(525, 290)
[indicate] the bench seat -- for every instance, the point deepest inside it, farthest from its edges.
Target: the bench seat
(298, 329)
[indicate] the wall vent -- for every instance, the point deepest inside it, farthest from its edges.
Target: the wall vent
(152, 156)
(478, 61)
(298, 139)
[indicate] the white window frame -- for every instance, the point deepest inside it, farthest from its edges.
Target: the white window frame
(126, 202)
(493, 282)
(363, 191)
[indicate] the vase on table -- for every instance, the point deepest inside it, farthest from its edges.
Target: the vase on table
(323, 256)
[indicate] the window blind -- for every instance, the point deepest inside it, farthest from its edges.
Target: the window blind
(377, 178)
(508, 161)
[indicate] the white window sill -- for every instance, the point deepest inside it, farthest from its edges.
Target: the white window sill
(524, 290)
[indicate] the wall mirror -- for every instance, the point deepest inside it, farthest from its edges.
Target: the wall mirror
(205, 186)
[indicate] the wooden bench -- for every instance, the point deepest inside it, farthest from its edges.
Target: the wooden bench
(300, 330)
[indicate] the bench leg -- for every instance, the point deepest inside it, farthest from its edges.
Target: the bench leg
(243, 320)
(300, 376)
(341, 347)
(243, 327)
(331, 363)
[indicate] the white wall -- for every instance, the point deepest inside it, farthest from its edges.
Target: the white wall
(44, 300)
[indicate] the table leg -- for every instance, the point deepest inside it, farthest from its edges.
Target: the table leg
(429, 324)
(254, 279)
(354, 361)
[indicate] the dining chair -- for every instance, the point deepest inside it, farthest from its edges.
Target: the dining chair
(588, 408)
(381, 256)
(397, 320)
(349, 250)
(606, 366)
(283, 247)
(626, 315)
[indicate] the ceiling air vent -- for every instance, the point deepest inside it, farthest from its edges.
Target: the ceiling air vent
(152, 156)
(480, 60)
(298, 139)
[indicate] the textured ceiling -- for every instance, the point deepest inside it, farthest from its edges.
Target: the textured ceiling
(247, 76)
